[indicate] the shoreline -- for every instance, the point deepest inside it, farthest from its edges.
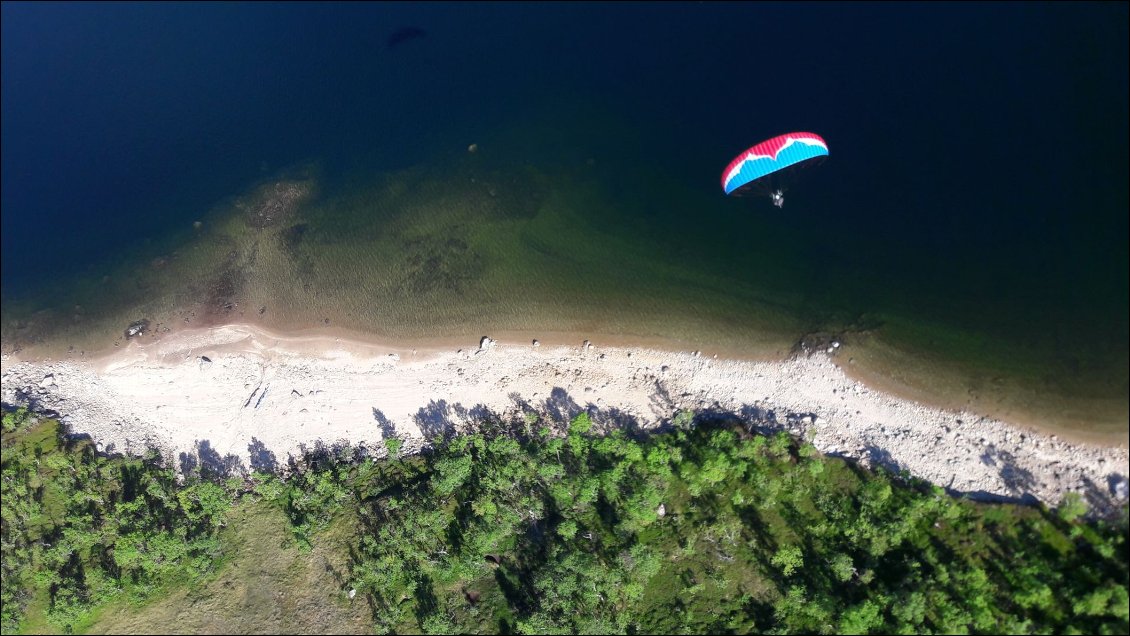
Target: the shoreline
(237, 392)
(858, 362)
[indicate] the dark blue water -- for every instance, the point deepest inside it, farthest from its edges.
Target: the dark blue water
(977, 173)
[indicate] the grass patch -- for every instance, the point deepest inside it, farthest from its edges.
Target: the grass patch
(267, 585)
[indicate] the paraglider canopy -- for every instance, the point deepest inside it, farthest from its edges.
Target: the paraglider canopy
(763, 168)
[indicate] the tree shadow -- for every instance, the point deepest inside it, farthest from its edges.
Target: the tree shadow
(1017, 479)
(879, 456)
(322, 456)
(660, 398)
(517, 594)
(561, 407)
(262, 459)
(131, 481)
(387, 428)
(614, 418)
(1100, 498)
(213, 465)
(187, 464)
(760, 419)
(481, 413)
(522, 403)
(435, 420)
(207, 463)
(984, 496)
(426, 601)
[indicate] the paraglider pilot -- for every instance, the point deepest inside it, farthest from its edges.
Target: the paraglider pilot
(778, 198)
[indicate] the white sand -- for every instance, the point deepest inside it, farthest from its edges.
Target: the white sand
(286, 392)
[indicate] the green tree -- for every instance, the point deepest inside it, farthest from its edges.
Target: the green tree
(789, 559)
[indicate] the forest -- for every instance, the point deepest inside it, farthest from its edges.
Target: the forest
(531, 525)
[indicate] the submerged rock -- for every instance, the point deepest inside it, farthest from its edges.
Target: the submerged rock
(273, 203)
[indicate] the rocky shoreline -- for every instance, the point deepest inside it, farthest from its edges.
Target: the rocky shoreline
(238, 397)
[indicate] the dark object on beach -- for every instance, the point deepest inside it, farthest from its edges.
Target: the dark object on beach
(205, 359)
(403, 34)
(137, 328)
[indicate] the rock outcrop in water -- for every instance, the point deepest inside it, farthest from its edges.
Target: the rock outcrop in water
(273, 203)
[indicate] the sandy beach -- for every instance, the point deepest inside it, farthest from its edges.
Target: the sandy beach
(247, 397)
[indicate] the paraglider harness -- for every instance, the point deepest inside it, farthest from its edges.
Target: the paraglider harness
(778, 198)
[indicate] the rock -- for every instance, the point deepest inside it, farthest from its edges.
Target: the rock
(536, 343)
(485, 343)
(1121, 489)
(137, 328)
(662, 511)
(48, 380)
(352, 593)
